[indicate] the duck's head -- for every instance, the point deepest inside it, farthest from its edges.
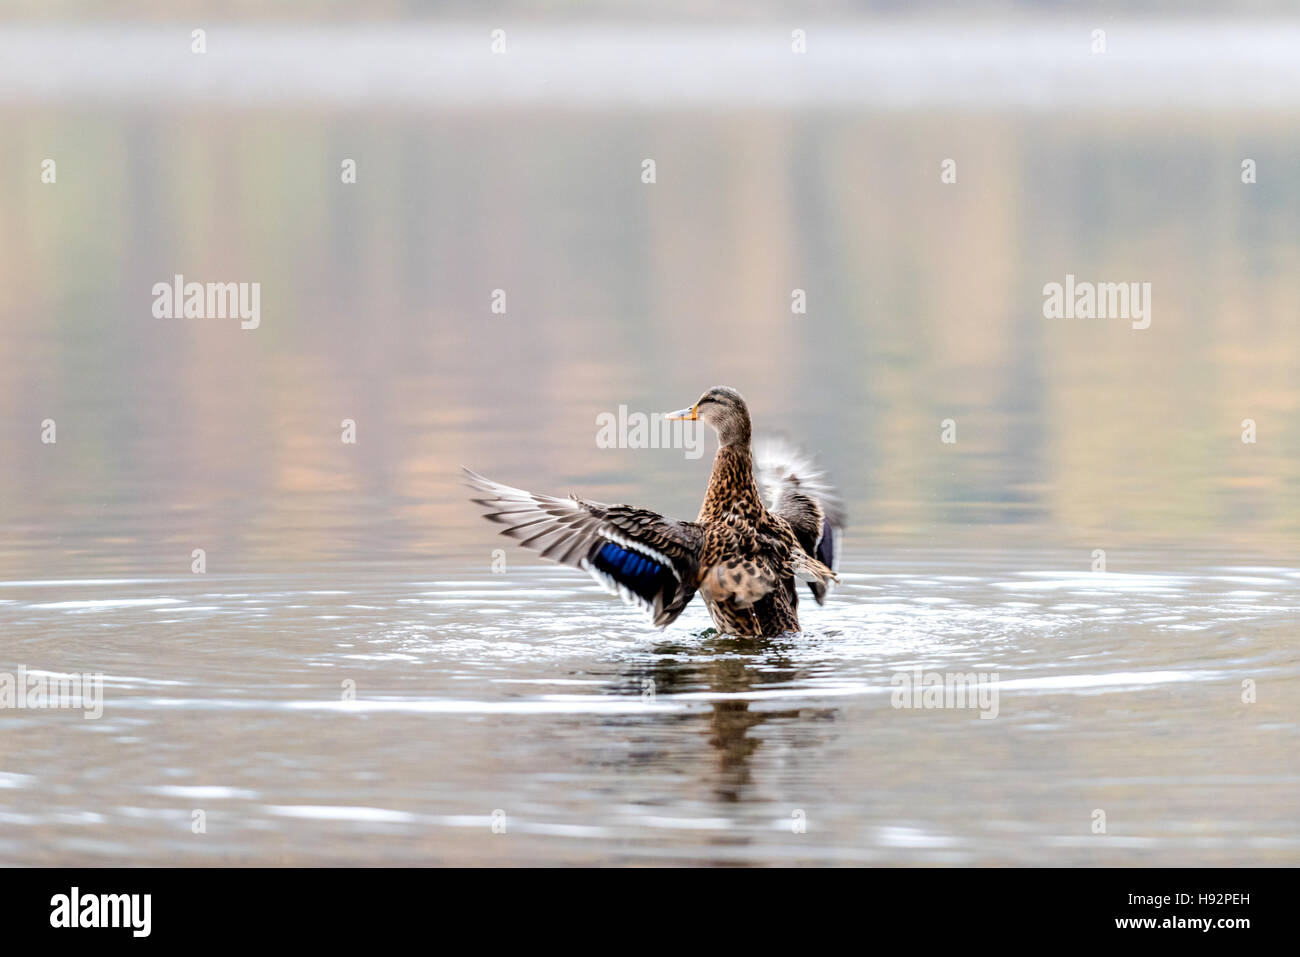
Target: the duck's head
(723, 408)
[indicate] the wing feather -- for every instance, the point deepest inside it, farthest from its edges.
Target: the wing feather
(647, 560)
(796, 489)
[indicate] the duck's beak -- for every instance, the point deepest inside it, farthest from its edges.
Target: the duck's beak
(683, 414)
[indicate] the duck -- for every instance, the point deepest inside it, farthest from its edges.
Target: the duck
(769, 521)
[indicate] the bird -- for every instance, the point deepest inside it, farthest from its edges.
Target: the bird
(767, 522)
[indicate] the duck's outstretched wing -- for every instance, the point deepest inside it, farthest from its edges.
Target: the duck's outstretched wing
(797, 490)
(647, 560)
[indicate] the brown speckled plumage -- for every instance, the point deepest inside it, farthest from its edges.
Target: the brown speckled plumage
(742, 554)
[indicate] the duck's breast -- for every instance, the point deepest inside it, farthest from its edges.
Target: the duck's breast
(738, 581)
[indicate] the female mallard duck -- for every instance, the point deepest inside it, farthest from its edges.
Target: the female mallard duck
(740, 554)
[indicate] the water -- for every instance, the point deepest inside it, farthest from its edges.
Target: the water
(356, 679)
(530, 694)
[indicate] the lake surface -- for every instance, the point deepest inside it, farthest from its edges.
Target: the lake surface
(602, 741)
(358, 676)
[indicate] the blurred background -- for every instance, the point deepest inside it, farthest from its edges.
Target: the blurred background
(924, 298)
(522, 172)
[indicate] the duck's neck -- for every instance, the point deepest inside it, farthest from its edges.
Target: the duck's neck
(731, 486)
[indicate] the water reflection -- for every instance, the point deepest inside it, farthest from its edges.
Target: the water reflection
(721, 666)
(925, 305)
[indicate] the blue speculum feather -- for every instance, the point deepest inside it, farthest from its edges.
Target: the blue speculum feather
(639, 573)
